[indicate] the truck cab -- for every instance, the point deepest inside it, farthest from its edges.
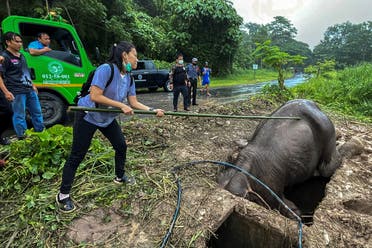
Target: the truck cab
(58, 74)
(148, 76)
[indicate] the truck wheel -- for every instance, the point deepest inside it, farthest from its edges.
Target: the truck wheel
(52, 107)
(167, 86)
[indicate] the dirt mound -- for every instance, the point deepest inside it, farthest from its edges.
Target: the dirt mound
(210, 215)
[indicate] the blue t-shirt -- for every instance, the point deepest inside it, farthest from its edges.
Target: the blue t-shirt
(118, 90)
(206, 73)
(36, 45)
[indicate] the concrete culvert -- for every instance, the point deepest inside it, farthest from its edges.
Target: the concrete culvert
(240, 231)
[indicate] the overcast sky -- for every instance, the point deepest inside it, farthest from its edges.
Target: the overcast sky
(311, 18)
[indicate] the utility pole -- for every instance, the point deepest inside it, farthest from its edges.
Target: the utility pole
(47, 6)
(8, 7)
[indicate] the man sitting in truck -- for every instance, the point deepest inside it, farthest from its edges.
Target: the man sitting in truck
(41, 45)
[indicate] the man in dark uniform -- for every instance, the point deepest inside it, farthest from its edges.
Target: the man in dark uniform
(178, 82)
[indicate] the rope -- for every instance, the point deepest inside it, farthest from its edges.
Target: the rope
(116, 110)
(176, 213)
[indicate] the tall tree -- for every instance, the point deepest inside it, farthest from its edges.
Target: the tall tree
(347, 43)
(18, 7)
(207, 29)
(281, 30)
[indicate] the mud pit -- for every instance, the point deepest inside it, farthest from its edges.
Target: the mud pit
(212, 217)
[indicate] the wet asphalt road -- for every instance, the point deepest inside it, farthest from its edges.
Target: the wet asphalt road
(161, 99)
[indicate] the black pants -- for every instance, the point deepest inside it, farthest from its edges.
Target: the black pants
(192, 90)
(176, 92)
(6, 114)
(82, 137)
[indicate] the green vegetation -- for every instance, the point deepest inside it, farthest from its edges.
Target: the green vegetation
(158, 29)
(325, 68)
(274, 57)
(32, 176)
(244, 77)
(347, 91)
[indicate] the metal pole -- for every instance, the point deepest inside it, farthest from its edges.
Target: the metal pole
(116, 110)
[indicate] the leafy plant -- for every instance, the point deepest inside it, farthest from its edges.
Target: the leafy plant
(273, 56)
(39, 157)
(275, 95)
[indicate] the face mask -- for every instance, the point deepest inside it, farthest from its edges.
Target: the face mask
(128, 66)
(180, 62)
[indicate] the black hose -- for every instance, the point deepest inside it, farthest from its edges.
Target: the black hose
(175, 215)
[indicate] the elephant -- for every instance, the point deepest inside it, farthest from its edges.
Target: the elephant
(282, 153)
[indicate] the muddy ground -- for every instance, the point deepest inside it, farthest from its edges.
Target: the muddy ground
(210, 216)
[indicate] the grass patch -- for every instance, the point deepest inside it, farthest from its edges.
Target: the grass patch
(32, 176)
(348, 91)
(244, 77)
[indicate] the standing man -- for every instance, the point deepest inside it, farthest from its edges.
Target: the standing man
(178, 82)
(193, 73)
(41, 45)
(16, 84)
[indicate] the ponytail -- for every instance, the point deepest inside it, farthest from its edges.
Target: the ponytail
(117, 51)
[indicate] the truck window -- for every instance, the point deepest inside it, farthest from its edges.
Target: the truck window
(150, 65)
(141, 65)
(62, 42)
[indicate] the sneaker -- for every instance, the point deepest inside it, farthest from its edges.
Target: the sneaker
(125, 179)
(175, 110)
(4, 141)
(186, 109)
(195, 104)
(66, 205)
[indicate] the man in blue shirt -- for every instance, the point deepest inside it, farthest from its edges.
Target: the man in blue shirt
(41, 45)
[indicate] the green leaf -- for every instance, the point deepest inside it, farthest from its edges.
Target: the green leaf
(48, 175)
(36, 179)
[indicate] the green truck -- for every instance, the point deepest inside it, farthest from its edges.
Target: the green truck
(58, 74)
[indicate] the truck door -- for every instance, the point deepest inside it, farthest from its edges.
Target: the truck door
(140, 75)
(58, 74)
(150, 68)
(144, 75)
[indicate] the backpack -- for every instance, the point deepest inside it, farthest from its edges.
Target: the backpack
(85, 88)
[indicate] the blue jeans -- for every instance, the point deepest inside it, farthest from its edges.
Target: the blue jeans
(19, 105)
